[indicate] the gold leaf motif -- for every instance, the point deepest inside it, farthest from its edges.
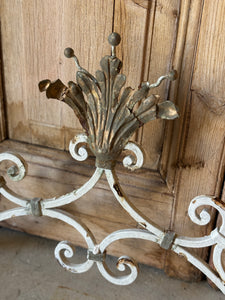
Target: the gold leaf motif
(108, 115)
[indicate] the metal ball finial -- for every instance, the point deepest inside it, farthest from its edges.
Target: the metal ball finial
(69, 52)
(114, 39)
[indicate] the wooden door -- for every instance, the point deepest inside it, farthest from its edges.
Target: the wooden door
(184, 158)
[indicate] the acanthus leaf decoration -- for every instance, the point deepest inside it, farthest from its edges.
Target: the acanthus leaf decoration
(108, 114)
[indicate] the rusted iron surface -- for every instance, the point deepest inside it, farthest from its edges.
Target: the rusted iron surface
(35, 205)
(109, 117)
(168, 240)
(95, 256)
(219, 202)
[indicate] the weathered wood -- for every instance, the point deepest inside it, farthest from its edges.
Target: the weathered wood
(127, 15)
(147, 253)
(3, 121)
(158, 62)
(151, 28)
(14, 75)
(33, 46)
(182, 62)
(188, 154)
(210, 70)
(199, 167)
(208, 77)
(53, 172)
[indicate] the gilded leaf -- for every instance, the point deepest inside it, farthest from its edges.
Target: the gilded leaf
(109, 116)
(167, 110)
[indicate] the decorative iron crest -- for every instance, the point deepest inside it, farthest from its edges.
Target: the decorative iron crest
(109, 113)
(109, 116)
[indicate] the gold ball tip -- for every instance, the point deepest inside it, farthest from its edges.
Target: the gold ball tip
(114, 39)
(43, 85)
(68, 52)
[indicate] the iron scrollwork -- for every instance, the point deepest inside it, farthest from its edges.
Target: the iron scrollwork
(109, 114)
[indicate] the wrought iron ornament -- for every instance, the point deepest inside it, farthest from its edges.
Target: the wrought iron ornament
(110, 114)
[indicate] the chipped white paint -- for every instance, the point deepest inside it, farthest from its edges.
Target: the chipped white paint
(122, 263)
(129, 207)
(74, 195)
(150, 231)
(78, 153)
(204, 217)
(14, 212)
(201, 265)
(216, 237)
(128, 161)
(64, 249)
(13, 197)
(20, 165)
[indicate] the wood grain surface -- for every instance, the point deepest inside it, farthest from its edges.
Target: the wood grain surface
(183, 158)
(53, 173)
(3, 121)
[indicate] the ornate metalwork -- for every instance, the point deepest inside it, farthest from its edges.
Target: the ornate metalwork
(109, 118)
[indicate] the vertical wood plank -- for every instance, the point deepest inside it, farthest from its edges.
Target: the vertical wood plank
(189, 23)
(3, 121)
(209, 73)
(131, 20)
(86, 26)
(14, 62)
(201, 159)
(212, 71)
(42, 34)
(183, 63)
(33, 46)
(160, 63)
(148, 30)
(134, 21)
(199, 174)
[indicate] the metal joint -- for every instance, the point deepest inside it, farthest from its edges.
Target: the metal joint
(95, 257)
(120, 114)
(35, 205)
(167, 240)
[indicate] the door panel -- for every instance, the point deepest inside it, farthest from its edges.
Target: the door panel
(184, 158)
(33, 43)
(200, 163)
